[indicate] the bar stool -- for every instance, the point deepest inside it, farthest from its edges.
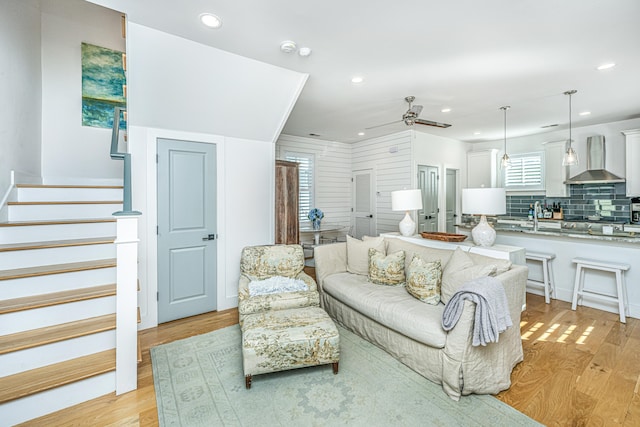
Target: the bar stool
(548, 282)
(621, 288)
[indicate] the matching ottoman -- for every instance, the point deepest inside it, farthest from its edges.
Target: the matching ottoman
(288, 339)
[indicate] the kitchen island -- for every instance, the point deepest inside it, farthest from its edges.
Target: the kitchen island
(578, 239)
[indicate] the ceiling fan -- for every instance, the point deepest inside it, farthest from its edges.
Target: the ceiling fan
(411, 117)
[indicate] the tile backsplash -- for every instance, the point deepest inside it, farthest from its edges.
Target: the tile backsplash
(607, 200)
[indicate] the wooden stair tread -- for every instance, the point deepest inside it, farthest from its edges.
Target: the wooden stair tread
(65, 186)
(56, 244)
(37, 380)
(56, 333)
(71, 202)
(55, 222)
(43, 270)
(55, 298)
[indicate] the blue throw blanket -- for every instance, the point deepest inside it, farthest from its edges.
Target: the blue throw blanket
(492, 309)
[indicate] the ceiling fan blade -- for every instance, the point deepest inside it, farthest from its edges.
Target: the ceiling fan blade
(416, 109)
(378, 126)
(431, 123)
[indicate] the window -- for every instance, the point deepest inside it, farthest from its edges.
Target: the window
(526, 172)
(305, 182)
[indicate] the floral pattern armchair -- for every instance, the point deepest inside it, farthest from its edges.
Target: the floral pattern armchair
(262, 262)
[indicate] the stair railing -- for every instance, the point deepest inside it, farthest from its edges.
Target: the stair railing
(126, 275)
(116, 155)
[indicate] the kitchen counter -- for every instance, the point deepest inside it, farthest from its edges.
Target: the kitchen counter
(572, 229)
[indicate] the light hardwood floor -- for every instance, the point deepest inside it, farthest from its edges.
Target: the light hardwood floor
(581, 368)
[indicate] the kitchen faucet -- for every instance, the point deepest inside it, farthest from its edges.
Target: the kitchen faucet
(536, 209)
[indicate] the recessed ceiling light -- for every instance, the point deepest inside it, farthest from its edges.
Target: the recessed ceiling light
(304, 51)
(606, 66)
(211, 20)
(477, 132)
(584, 113)
(445, 110)
(357, 79)
(360, 133)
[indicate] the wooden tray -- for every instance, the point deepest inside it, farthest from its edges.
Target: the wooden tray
(445, 237)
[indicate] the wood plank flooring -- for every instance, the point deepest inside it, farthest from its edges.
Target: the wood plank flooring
(581, 368)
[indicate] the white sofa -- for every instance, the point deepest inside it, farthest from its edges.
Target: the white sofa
(411, 330)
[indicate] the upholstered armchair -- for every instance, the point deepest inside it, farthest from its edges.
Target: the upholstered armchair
(262, 262)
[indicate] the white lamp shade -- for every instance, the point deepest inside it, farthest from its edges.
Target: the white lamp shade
(406, 200)
(484, 201)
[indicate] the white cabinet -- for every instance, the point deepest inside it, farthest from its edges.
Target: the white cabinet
(632, 138)
(554, 173)
(482, 168)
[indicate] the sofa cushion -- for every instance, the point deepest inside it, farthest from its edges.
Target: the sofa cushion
(358, 253)
(390, 306)
(411, 249)
(424, 280)
(502, 265)
(460, 270)
(386, 270)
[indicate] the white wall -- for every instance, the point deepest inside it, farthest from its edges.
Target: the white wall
(178, 89)
(332, 174)
(391, 159)
(20, 76)
(443, 153)
(73, 153)
(615, 144)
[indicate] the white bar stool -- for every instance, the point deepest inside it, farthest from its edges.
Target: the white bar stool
(621, 287)
(548, 282)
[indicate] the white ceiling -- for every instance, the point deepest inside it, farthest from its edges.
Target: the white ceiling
(471, 56)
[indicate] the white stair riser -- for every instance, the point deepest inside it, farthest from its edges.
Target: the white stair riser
(53, 212)
(35, 257)
(37, 405)
(37, 357)
(68, 194)
(20, 321)
(17, 288)
(44, 233)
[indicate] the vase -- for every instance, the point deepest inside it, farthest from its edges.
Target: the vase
(316, 224)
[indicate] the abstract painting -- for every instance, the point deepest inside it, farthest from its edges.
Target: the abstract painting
(103, 85)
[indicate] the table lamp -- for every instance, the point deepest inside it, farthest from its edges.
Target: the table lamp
(484, 201)
(406, 200)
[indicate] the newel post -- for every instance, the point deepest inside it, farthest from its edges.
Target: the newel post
(126, 303)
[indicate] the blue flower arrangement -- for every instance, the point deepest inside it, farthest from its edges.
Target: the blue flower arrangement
(315, 214)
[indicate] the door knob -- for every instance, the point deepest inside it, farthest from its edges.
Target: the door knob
(210, 237)
(370, 216)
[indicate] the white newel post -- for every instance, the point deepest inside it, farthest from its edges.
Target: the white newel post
(126, 304)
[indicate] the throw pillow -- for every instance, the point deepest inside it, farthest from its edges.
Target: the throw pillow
(459, 270)
(424, 280)
(358, 253)
(386, 270)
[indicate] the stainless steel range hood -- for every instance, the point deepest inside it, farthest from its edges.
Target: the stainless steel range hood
(595, 173)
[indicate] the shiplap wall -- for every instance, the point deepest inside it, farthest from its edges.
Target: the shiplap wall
(332, 174)
(390, 159)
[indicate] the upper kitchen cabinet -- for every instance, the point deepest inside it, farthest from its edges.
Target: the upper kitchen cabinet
(554, 173)
(482, 168)
(632, 138)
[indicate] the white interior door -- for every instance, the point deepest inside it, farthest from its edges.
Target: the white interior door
(363, 203)
(428, 183)
(451, 186)
(187, 243)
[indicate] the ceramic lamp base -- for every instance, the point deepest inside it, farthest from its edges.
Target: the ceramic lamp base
(407, 226)
(483, 234)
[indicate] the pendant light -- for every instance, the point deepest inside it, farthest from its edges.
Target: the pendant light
(505, 163)
(570, 156)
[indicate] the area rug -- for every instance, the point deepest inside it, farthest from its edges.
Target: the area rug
(199, 382)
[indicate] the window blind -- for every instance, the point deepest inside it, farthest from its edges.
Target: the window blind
(305, 182)
(526, 172)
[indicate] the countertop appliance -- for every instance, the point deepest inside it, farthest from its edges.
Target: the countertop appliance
(635, 210)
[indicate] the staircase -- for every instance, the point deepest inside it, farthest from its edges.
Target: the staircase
(57, 299)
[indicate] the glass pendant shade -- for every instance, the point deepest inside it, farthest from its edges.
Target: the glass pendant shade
(505, 162)
(570, 157)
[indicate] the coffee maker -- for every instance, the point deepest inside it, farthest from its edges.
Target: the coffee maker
(635, 210)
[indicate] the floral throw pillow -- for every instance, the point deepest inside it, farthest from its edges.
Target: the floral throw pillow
(386, 270)
(424, 280)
